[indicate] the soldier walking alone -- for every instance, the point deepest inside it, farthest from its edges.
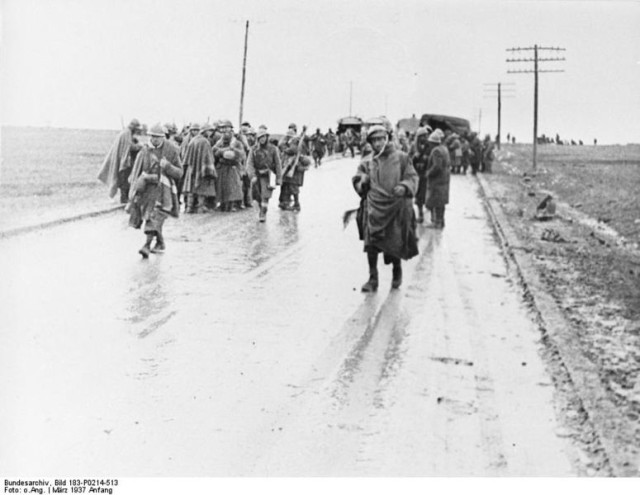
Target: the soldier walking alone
(154, 195)
(387, 182)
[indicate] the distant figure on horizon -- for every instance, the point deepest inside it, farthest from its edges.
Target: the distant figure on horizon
(595, 142)
(117, 165)
(513, 140)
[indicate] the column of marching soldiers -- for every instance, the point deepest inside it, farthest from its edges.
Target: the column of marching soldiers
(210, 167)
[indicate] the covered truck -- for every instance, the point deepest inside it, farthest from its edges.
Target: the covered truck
(456, 124)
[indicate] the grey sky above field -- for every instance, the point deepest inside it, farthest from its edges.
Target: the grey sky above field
(93, 63)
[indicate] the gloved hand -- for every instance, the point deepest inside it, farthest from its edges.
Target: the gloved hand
(254, 180)
(364, 179)
(399, 191)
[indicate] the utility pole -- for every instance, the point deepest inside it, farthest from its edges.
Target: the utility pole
(535, 71)
(489, 93)
(244, 72)
(350, 96)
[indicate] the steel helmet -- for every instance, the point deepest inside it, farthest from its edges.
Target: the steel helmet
(157, 130)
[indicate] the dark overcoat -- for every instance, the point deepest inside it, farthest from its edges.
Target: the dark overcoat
(438, 177)
(263, 161)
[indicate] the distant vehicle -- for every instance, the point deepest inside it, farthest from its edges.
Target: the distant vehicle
(345, 123)
(353, 123)
(456, 124)
(410, 125)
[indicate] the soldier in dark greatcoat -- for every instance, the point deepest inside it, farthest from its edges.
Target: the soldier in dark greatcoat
(438, 177)
(229, 157)
(318, 147)
(294, 166)
(420, 158)
(264, 171)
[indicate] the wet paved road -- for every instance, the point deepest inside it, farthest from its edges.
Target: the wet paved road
(247, 349)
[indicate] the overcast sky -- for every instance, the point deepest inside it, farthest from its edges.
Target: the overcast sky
(91, 63)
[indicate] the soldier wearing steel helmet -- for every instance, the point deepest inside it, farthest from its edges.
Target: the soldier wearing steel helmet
(230, 158)
(264, 171)
(189, 132)
(386, 182)
(154, 196)
(247, 136)
(116, 167)
(294, 166)
(199, 186)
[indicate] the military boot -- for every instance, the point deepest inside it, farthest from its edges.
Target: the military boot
(263, 214)
(371, 285)
(396, 282)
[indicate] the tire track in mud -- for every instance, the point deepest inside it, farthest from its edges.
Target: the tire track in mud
(233, 283)
(343, 390)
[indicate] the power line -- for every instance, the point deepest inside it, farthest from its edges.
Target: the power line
(498, 94)
(536, 70)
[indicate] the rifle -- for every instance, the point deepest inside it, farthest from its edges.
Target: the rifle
(291, 168)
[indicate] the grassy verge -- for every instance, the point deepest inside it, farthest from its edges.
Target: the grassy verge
(591, 266)
(48, 172)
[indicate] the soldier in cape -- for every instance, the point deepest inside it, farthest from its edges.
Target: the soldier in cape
(153, 196)
(199, 184)
(117, 165)
(386, 182)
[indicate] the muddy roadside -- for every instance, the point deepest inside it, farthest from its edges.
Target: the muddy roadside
(581, 268)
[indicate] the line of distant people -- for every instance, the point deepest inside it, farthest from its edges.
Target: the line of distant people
(207, 167)
(544, 139)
